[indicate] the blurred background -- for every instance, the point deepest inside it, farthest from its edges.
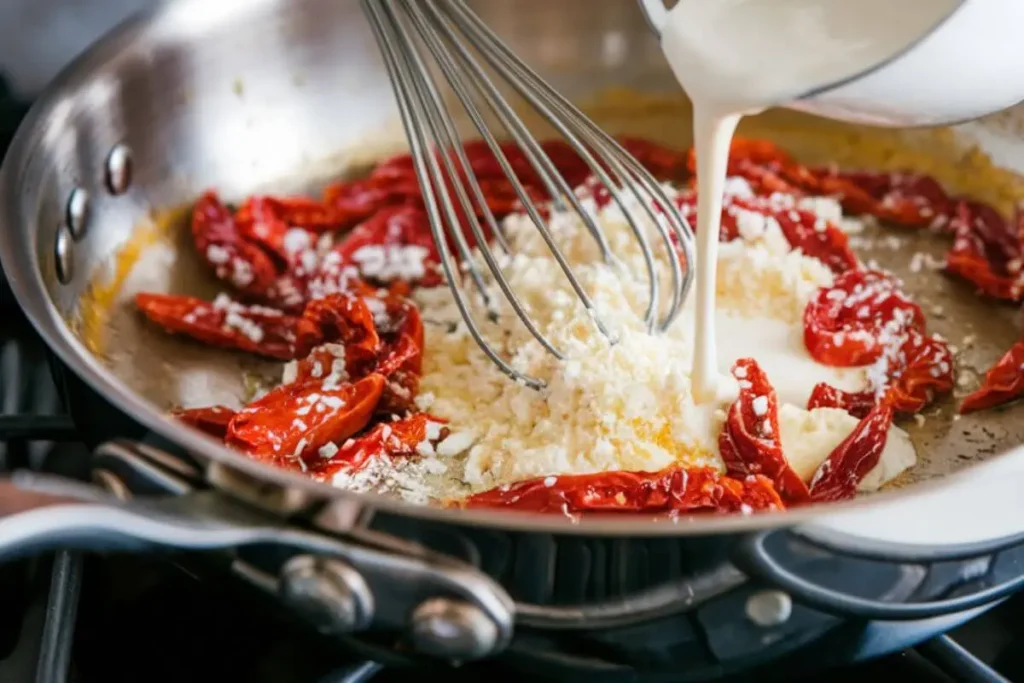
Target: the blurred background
(39, 37)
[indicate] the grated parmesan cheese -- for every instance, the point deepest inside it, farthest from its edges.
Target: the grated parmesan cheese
(610, 407)
(607, 407)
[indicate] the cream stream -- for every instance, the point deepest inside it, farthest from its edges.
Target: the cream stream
(738, 57)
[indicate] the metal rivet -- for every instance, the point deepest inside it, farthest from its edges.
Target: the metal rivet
(119, 169)
(330, 594)
(77, 212)
(63, 253)
(769, 608)
(452, 629)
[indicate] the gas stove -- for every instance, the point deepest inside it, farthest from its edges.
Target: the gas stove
(83, 618)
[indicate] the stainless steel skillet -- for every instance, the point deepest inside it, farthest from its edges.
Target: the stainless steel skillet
(241, 95)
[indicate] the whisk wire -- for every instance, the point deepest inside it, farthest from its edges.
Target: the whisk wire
(453, 147)
(444, 28)
(519, 75)
(538, 158)
(412, 116)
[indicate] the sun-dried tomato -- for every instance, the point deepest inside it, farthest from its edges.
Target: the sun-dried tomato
(750, 439)
(817, 238)
(355, 201)
(414, 435)
(838, 477)
(401, 359)
(857, 403)
(395, 244)
(213, 420)
(352, 342)
(296, 211)
(987, 251)
(294, 421)
(261, 221)
(915, 376)
(343, 318)
(678, 490)
(1004, 382)
(903, 198)
(220, 243)
(225, 323)
(926, 373)
(803, 230)
(855, 320)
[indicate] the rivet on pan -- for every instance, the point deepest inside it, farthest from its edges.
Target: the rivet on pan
(119, 169)
(333, 596)
(451, 629)
(769, 608)
(64, 255)
(77, 212)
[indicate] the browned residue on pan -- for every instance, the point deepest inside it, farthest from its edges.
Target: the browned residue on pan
(103, 291)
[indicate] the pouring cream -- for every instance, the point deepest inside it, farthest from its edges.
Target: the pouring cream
(738, 57)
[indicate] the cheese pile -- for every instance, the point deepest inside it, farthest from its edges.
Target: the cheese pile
(623, 406)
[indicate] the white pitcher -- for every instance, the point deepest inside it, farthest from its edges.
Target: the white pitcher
(967, 66)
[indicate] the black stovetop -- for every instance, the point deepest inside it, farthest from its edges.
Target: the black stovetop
(113, 619)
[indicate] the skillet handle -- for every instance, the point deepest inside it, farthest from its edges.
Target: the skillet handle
(40, 513)
(341, 584)
(759, 556)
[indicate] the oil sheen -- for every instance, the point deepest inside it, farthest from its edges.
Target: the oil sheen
(738, 57)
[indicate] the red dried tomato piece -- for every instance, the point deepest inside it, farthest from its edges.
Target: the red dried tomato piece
(817, 238)
(389, 185)
(304, 212)
(750, 439)
(395, 350)
(262, 221)
(395, 244)
(225, 323)
(927, 372)
(805, 231)
(213, 420)
(857, 403)
(855, 320)
(903, 197)
(987, 250)
(837, 478)
(413, 435)
(921, 371)
(294, 421)
(695, 490)
(221, 244)
(341, 317)
(328, 360)
(1004, 382)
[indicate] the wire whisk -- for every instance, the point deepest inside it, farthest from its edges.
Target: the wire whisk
(411, 35)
